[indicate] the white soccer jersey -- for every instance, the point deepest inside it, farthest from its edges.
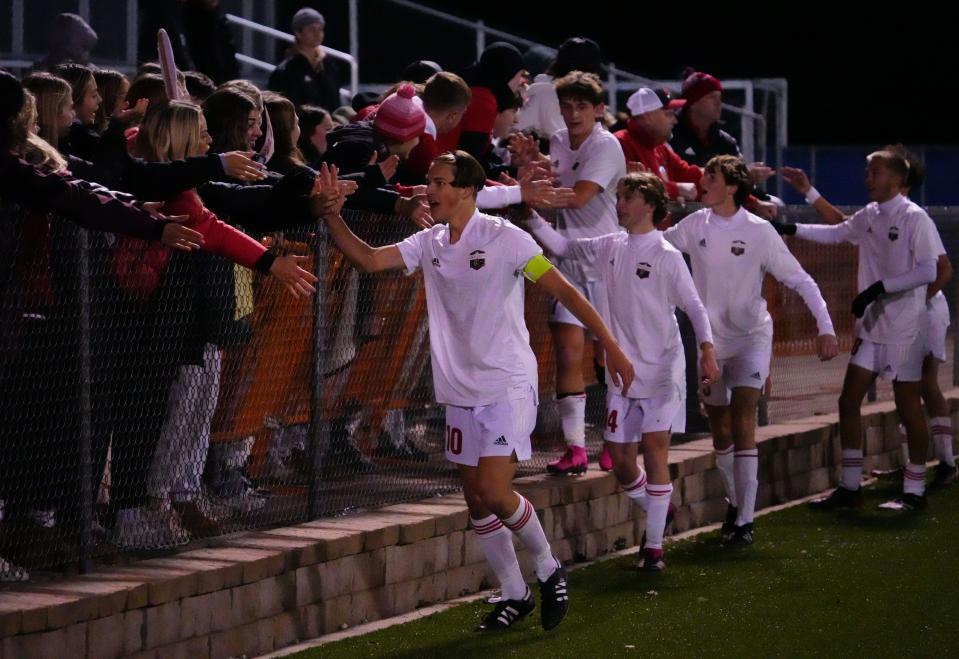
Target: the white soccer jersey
(729, 257)
(645, 279)
(893, 237)
(474, 295)
(936, 305)
(598, 159)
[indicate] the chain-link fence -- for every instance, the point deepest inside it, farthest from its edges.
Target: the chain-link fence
(151, 399)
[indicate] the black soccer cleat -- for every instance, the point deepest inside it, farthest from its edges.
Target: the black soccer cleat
(742, 536)
(944, 475)
(507, 613)
(729, 526)
(651, 560)
(554, 594)
(838, 498)
(670, 515)
(905, 503)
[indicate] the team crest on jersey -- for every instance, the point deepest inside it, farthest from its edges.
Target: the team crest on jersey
(702, 242)
(893, 233)
(436, 262)
(643, 269)
(477, 259)
(738, 248)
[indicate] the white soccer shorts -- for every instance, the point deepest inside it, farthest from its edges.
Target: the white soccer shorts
(627, 419)
(498, 429)
(748, 367)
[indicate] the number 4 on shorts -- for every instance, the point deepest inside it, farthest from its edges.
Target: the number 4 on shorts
(612, 420)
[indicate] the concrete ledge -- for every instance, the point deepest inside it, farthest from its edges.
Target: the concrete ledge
(263, 591)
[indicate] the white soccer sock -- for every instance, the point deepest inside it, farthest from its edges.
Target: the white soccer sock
(942, 439)
(724, 462)
(496, 541)
(659, 496)
(524, 523)
(851, 468)
(747, 483)
(914, 479)
(572, 416)
(637, 490)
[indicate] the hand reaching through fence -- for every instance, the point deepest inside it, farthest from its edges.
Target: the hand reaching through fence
(297, 280)
(175, 235)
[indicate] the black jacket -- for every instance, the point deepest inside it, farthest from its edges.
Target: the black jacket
(296, 79)
(689, 148)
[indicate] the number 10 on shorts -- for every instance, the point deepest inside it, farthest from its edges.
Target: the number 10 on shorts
(454, 440)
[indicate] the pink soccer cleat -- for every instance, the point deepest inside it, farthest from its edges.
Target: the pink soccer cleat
(573, 462)
(605, 460)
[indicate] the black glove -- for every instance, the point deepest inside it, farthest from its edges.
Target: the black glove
(866, 298)
(784, 229)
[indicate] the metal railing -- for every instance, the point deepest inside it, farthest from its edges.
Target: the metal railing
(286, 37)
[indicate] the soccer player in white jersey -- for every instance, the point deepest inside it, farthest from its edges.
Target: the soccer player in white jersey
(898, 250)
(644, 280)
(587, 158)
(730, 250)
(484, 370)
(932, 331)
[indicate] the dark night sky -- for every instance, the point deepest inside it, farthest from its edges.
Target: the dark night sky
(855, 78)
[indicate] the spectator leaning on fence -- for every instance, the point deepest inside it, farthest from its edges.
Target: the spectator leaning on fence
(315, 124)
(497, 73)
(308, 74)
(445, 97)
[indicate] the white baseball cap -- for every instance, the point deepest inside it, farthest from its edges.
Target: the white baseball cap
(646, 99)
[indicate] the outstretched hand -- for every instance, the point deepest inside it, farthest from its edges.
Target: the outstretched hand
(297, 280)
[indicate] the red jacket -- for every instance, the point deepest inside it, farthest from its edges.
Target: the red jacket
(423, 154)
(658, 158)
(480, 117)
(219, 237)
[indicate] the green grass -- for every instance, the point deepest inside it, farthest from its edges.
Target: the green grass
(854, 584)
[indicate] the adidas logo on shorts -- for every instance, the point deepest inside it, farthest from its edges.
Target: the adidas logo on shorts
(501, 441)
(756, 376)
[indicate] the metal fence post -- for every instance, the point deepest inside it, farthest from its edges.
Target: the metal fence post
(319, 428)
(86, 424)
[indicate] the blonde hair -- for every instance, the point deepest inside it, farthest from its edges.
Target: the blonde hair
(51, 93)
(34, 149)
(170, 132)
